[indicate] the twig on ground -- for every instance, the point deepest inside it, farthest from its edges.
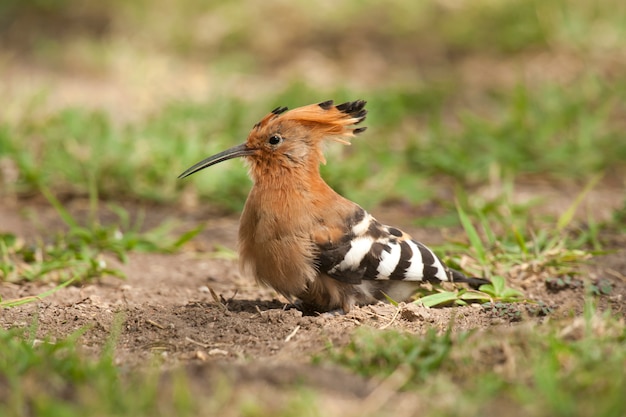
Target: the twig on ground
(292, 334)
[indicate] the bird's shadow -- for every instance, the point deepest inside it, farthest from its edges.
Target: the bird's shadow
(254, 306)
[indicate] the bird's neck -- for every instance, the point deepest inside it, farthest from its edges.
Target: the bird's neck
(291, 205)
(293, 185)
(273, 176)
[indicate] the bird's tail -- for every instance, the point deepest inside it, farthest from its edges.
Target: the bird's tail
(473, 282)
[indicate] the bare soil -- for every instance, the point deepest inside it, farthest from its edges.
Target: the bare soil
(194, 308)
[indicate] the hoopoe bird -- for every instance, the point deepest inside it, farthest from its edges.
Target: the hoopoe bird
(304, 240)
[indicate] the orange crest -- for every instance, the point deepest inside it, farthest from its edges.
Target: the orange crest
(331, 122)
(313, 123)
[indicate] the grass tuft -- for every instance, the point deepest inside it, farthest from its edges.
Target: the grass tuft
(79, 253)
(562, 368)
(379, 354)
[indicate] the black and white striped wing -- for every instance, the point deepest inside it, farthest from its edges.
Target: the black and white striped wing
(371, 251)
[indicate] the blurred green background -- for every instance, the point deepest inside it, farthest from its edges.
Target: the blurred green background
(501, 99)
(126, 94)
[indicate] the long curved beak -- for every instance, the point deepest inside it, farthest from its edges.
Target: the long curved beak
(234, 152)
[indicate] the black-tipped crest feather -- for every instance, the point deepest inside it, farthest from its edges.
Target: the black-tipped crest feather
(352, 107)
(326, 105)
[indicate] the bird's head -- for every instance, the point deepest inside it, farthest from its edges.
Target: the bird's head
(292, 140)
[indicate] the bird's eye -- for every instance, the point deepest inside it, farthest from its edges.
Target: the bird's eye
(275, 139)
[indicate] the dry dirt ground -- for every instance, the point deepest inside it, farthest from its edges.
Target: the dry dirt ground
(195, 308)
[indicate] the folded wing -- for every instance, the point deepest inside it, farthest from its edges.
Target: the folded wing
(372, 251)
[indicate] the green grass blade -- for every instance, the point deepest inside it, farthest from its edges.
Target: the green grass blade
(63, 213)
(187, 236)
(391, 300)
(93, 199)
(566, 218)
(475, 296)
(521, 242)
(489, 234)
(472, 234)
(30, 299)
(441, 298)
